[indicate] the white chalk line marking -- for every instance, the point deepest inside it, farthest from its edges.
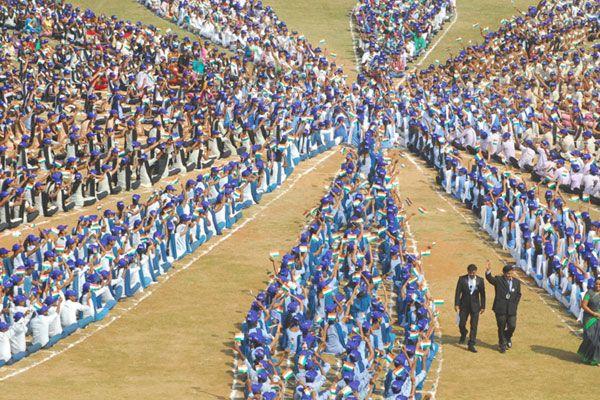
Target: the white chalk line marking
(354, 41)
(135, 302)
(234, 392)
(470, 220)
(440, 355)
(440, 37)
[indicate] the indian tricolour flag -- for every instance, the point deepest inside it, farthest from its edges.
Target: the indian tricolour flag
(376, 280)
(585, 197)
(425, 253)
(438, 302)
(348, 366)
(239, 337)
(274, 255)
(327, 290)
(347, 390)
(302, 359)
(95, 286)
(287, 375)
(242, 369)
(426, 344)
(422, 210)
(398, 371)
(413, 335)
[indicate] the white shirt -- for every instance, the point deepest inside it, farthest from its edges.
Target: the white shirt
(68, 312)
(40, 326)
(472, 284)
(19, 330)
(5, 353)
(527, 156)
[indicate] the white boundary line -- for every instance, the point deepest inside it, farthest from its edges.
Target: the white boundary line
(234, 391)
(354, 42)
(440, 37)
(133, 304)
(470, 220)
(440, 354)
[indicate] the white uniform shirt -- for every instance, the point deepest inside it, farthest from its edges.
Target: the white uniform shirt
(40, 326)
(69, 310)
(5, 353)
(19, 330)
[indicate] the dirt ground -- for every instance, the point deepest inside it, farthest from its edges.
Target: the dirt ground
(175, 344)
(543, 363)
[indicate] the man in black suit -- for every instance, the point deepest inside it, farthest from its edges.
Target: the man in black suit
(469, 302)
(506, 301)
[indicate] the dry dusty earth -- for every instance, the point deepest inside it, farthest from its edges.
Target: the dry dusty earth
(174, 344)
(543, 363)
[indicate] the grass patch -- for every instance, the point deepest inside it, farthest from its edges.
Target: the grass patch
(319, 19)
(129, 10)
(486, 13)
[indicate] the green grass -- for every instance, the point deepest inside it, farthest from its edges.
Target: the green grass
(128, 10)
(486, 13)
(319, 19)
(329, 20)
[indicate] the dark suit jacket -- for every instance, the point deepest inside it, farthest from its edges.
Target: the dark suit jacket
(463, 297)
(502, 305)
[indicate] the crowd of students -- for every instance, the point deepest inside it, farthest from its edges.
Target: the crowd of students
(62, 279)
(555, 245)
(91, 105)
(247, 27)
(527, 97)
(339, 292)
(524, 99)
(115, 98)
(393, 33)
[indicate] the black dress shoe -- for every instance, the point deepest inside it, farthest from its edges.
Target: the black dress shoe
(472, 348)
(509, 344)
(502, 348)
(462, 340)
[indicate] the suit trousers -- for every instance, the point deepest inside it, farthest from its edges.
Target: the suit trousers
(506, 327)
(464, 314)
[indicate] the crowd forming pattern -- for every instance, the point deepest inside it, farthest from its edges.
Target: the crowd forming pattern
(530, 87)
(93, 99)
(92, 106)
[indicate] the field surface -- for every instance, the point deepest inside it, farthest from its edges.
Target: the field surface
(173, 341)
